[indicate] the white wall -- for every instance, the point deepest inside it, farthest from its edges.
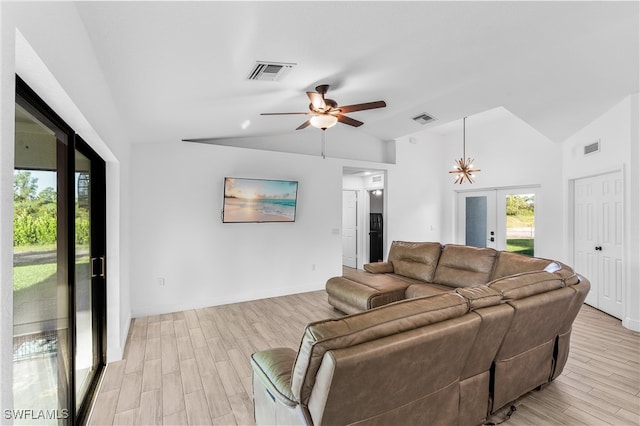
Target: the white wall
(422, 195)
(177, 233)
(47, 44)
(510, 153)
(617, 130)
(415, 190)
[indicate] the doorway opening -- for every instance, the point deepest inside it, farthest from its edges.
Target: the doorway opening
(363, 213)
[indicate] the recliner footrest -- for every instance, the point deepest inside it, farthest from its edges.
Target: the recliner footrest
(350, 296)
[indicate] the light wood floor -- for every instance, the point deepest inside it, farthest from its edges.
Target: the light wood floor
(193, 368)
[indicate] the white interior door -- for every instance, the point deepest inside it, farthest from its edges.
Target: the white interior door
(350, 228)
(598, 239)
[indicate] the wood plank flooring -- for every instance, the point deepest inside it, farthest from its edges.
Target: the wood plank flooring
(192, 367)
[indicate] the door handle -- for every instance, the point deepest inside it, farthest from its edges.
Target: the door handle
(598, 248)
(97, 267)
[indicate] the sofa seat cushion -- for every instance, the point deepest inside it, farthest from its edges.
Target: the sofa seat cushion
(513, 263)
(349, 295)
(526, 284)
(321, 336)
(464, 266)
(415, 260)
(425, 289)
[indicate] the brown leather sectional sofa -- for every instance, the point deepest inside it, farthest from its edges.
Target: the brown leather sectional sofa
(436, 335)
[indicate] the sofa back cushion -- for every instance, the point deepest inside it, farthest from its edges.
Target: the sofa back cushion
(319, 337)
(415, 260)
(464, 266)
(513, 263)
(526, 284)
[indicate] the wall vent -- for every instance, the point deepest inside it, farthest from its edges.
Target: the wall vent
(592, 147)
(376, 178)
(269, 71)
(423, 118)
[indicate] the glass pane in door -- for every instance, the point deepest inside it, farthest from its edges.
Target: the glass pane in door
(476, 221)
(520, 211)
(40, 276)
(85, 350)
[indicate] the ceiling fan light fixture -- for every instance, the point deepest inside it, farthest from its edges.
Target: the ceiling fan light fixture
(323, 121)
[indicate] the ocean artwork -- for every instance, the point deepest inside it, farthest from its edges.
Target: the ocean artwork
(259, 200)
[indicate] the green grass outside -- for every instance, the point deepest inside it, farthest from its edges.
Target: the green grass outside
(40, 247)
(520, 245)
(28, 275)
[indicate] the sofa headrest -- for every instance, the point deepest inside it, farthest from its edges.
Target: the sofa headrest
(319, 337)
(480, 296)
(526, 284)
(415, 260)
(566, 274)
(464, 266)
(514, 263)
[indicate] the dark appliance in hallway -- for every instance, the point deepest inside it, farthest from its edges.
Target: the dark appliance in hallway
(375, 237)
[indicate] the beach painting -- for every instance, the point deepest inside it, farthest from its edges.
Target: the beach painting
(259, 200)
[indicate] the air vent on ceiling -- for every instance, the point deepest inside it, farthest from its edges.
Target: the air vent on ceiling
(423, 118)
(269, 71)
(592, 147)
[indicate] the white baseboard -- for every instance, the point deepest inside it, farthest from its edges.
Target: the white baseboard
(631, 324)
(144, 311)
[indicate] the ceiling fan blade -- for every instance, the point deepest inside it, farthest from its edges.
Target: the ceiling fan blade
(348, 120)
(304, 125)
(317, 100)
(362, 107)
(286, 113)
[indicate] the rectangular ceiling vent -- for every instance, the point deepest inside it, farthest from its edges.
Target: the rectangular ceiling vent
(269, 71)
(592, 147)
(423, 118)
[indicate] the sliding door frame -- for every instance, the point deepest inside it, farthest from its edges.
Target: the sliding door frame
(66, 248)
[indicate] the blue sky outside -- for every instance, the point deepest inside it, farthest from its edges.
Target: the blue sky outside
(260, 189)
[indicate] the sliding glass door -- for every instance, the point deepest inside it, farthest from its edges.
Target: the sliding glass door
(90, 272)
(59, 291)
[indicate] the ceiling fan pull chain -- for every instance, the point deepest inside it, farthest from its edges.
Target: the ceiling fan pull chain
(323, 144)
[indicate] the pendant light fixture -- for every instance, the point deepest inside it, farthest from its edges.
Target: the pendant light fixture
(463, 168)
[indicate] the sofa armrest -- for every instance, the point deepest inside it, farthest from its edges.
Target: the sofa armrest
(379, 267)
(273, 367)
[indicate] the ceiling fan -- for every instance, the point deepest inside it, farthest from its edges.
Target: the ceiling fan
(326, 112)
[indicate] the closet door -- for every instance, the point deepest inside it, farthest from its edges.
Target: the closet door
(598, 239)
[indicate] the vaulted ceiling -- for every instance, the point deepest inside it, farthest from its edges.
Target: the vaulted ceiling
(179, 69)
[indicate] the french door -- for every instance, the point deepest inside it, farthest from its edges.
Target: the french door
(59, 315)
(502, 219)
